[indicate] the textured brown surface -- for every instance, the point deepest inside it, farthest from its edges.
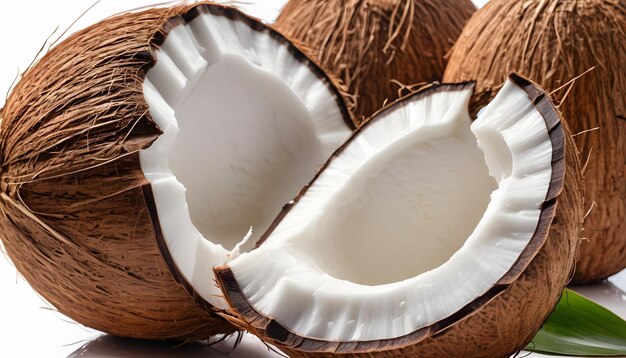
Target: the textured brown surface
(500, 322)
(83, 237)
(552, 42)
(368, 43)
(74, 217)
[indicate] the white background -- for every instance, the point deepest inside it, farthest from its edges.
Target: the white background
(28, 326)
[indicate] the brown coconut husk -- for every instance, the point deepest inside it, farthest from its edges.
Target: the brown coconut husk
(553, 42)
(74, 216)
(500, 322)
(376, 47)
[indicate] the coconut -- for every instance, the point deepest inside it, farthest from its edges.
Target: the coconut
(377, 48)
(554, 42)
(424, 235)
(147, 135)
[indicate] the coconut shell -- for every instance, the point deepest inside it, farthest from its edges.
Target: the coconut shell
(375, 47)
(553, 42)
(75, 206)
(497, 324)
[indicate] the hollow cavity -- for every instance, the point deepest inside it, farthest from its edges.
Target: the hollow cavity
(406, 211)
(245, 146)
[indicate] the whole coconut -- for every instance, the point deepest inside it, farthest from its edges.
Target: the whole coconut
(376, 46)
(553, 42)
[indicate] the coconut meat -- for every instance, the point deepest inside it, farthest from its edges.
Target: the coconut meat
(421, 213)
(246, 123)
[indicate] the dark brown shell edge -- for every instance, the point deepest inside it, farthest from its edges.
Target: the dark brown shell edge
(74, 212)
(553, 42)
(527, 282)
(235, 14)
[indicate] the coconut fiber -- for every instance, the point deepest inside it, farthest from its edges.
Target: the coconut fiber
(377, 48)
(553, 42)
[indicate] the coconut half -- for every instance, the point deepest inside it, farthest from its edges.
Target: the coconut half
(424, 235)
(152, 142)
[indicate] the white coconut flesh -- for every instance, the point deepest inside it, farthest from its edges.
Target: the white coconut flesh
(245, 125)
(420, 214)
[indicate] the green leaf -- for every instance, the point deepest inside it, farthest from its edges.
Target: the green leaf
(581, 327)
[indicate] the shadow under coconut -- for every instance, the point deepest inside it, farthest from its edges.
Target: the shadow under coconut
(619, 282)
(107, 346)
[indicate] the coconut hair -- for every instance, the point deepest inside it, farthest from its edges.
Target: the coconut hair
(371, 46)
(71, 184)
(554, 42)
